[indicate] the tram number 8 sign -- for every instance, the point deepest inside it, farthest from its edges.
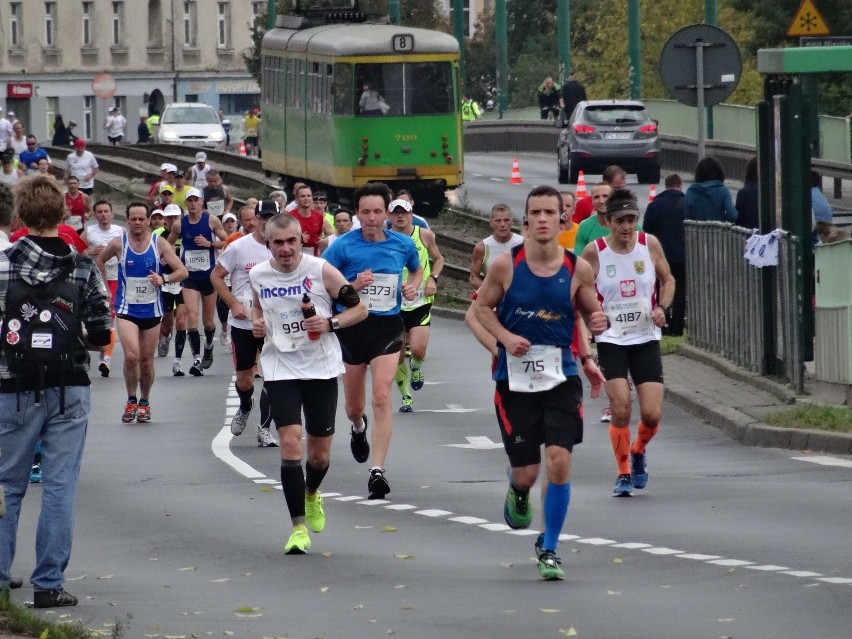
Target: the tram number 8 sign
(403, 43)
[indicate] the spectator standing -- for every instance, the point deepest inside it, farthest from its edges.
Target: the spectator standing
(747, 200)
(252, 131)
(82, 165)
(548, 99)
(143, 133)
(114, 126)
(5, 130)
(470, 109)
(153, 123)
(42, 400)
(572, 94)
(708, 199)
(664, 220)
(61, 134)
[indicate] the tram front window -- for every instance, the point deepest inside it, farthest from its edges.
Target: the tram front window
(411, 88)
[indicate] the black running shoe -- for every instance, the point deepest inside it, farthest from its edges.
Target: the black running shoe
(207, 360)
(196, 370)
(377, 485)
(359, 445)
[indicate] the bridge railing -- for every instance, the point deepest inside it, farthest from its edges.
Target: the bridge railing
(727, 305)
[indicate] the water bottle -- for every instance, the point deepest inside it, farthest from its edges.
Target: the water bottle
(309, 310)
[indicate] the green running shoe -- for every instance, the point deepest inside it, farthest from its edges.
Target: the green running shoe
(549, 568)
(418, 377)
(299, 541)
(406, 406)
(314, 513)
(518, 511)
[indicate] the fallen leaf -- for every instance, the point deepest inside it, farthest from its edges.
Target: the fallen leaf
(80, 578)
(324, 589)
(186, 568)
(617, 560)
(505, 565)
(407, 607)
(403, 556)
(388, 529)
(106, 576)
(246, 609)
(265, 489)
(510, 612)
(569, 632)
(390, 631)
(613, 592)
(549, 610)
(326, 554)
(363, 527)
(220, 580)
(727, 620)
(400, 586)
(358, 607)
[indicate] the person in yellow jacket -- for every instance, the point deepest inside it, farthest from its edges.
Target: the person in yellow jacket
(470, 109)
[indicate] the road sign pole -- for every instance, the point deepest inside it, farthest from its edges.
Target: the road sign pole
(699, 93)
(502, 55)
(563, 23)
(634, 44)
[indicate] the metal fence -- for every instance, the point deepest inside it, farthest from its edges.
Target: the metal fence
(726, 303)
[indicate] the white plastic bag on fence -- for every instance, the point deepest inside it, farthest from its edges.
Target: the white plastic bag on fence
(762, 250)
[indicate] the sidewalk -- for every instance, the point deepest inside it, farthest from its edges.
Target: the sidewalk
(736, 401)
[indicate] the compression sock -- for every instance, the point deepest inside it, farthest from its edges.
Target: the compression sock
(643, 436)
(180, 343)
(556, 501)
(416, 363)
(194, 342)
(293, 484)
(245, 397)
(620, 438)
(314, 477)
(209, 334)
(402, 379)
(265, 413)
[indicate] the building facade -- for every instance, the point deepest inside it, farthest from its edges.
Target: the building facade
(79, 58)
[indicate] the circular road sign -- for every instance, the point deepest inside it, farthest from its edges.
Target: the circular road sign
(722, 64)
(103, 86)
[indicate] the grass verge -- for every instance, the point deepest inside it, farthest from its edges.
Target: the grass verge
(18, 620)
(837, 419)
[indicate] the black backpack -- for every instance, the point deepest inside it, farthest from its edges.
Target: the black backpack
(42, 330)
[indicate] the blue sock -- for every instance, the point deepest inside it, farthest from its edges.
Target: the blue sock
(556, 500)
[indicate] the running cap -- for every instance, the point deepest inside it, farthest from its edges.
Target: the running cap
(229, 216)
(80, 143)
(168, 168)
(266, 208)
(400, 203)
(165, 187)
(172, 210)
(201, 156)
(193, 192)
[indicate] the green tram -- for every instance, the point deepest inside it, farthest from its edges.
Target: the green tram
(347, 104)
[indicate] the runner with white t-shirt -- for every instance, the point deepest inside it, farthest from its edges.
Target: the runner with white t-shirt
(236, 261)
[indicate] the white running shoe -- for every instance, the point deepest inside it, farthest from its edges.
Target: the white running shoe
(265, 438)
(606, 415)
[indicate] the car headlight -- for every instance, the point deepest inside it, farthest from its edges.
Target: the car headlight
(216, 135)
(169, 135)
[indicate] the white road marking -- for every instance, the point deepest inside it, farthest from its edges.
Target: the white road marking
(221, 449)
(825, 460)
(477, 443)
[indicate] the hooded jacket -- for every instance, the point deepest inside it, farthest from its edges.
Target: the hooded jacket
(43, 259)
(709, 201)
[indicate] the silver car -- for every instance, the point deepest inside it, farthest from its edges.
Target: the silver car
(605, 132)
(191, 123)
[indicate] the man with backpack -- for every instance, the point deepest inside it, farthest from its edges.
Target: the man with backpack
(54, 308)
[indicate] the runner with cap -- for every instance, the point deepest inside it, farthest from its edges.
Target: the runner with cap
(372, 260)
(166, 171)
(416, 314)
(97, 237)
(201, 234)
(181, 188)
(636, 287)
(82, 165)
(199, 171)
(235, 262)
(174, 310)
(114, 126)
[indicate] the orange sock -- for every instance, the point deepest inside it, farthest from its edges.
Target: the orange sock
(108, 349)
(620, 438)
(643, 436)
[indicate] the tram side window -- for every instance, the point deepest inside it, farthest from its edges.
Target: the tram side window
(404, 89)
(341, 89)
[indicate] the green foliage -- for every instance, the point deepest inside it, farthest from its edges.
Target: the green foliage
(18, 620)
(425, 14)
(832, 418)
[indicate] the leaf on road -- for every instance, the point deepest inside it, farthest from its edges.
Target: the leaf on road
(399, 586)
(106, 576)
(390, 631)
(246, 609)
(220, 580)
(666, 586)
(324, 589)
(326, 554)
(358, 607)
(613, 592)
(265, 489)
(403, 556)
(185, 568)
(727, 620)
(363, 527)
(511, 611)
(408, 606)
(617, 560)
(506, 565)
(228, 633)
(575, 550)
(80, 578)
(174, 636)
(388, 529)
(549, 610)
(568, 632)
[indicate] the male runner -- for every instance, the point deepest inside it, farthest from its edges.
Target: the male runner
(315, 228)
(97, 236)
(201, 234)
(300, 373)
(502, 239)
(416, 314)
(138, 304)
(635, 283)
(535, 289)
(372, 260)
(235, 262)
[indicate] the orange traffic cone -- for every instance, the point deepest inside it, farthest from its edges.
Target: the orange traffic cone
(652, 193)
(516, 173)
(581, 186)
(242, 148)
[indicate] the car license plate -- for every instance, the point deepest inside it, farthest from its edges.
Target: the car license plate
(618, 136)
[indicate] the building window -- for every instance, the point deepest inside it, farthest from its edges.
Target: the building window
(16, 26)
(50, 24)
(190, 33)
(257, 8)
(88, 122)
(88, 38)
(223, 25)
(117, 23)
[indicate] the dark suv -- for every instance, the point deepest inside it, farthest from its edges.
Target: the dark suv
(604, 132)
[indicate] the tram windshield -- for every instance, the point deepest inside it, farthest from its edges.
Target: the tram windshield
(410, 88)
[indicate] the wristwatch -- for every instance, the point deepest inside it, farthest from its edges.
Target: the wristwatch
(166, 278)
(434, 277)
(586, 358)
(333, 324)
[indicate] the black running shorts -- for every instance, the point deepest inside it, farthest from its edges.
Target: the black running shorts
(144, 323)
(528, 420)
(642, 361)
(317, 397)
(420, 316)
(205, 287)
(377, 335)
(244, 348)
